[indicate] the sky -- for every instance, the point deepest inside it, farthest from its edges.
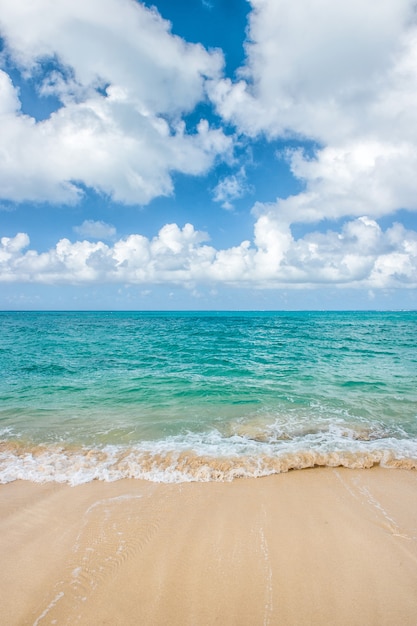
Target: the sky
(208, 154)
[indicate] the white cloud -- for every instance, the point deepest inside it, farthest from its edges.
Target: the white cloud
(360, 255)
(362, 176)
(343, 75)
(124, 82)
(116, 42)
(317, 68)
(231, 188)
(95, 229)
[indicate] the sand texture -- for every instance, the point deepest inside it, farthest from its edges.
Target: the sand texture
(317, 547)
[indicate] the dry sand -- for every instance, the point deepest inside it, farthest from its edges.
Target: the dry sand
(322, 546)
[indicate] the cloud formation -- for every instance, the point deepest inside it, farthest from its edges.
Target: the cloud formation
(361, 254)
(342, 75)
(318, 69)
(124, 83)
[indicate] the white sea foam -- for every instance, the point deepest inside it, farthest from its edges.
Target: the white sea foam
(50, 606)
(210, 456)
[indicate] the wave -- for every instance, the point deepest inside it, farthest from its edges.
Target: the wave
(204, 457)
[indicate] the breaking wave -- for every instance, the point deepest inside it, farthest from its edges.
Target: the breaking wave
(246, 452)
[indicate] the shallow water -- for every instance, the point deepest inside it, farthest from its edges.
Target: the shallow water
(204, 396)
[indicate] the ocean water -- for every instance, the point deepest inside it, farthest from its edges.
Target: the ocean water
(191, 396)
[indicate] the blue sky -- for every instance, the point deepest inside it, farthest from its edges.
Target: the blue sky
(208, 154)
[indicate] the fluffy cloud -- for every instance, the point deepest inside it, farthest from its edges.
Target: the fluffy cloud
(360, 255)
(345, 76)
(123, 82)
(318, 68)
(362, 176)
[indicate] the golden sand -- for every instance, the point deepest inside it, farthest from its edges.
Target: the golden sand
(312, 547)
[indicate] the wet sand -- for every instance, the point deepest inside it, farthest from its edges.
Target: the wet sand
(317, 547)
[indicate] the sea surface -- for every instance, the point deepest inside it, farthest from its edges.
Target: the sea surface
(202, 396)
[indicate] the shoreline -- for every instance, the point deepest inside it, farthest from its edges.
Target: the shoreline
(321, 546)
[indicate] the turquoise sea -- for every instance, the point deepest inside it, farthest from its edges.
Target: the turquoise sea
(204, 395)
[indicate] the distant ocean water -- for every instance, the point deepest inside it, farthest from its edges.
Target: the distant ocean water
(177, 397)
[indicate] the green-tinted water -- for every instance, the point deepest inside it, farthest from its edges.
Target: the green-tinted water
(263, 391)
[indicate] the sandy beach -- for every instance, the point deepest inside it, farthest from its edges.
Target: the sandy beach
(322, 546)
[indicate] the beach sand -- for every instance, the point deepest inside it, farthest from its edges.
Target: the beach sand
(322, 546)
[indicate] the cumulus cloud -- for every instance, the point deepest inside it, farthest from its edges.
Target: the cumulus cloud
(318, 68)
(124, 82)
(361, 254)
(362, 176)
(345, 76)
(342, 75)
